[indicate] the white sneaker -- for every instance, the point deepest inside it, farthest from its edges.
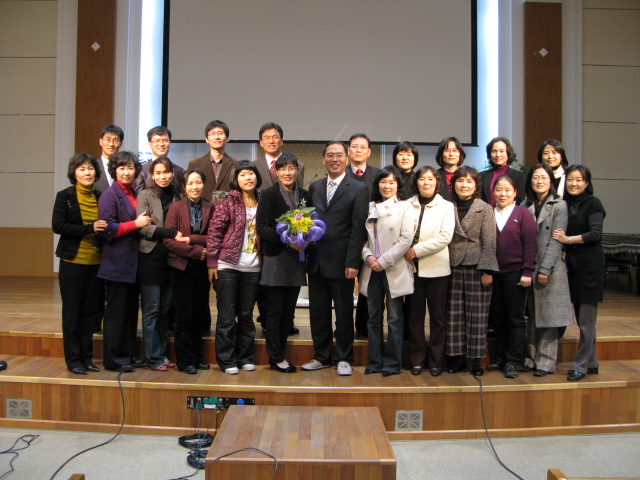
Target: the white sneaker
(313, 365)
(231, 371)
(249, 367)
(344, 369)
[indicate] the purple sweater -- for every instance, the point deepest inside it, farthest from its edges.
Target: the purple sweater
(516, 244)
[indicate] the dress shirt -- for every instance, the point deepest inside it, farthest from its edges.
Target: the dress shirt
(502, 215)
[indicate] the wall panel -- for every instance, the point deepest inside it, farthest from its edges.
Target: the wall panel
(611, 94)
(611, 37)
(33, 38)
(611, 150)
(28, 86)
(620, 200)
(17, 134)
(28, 198)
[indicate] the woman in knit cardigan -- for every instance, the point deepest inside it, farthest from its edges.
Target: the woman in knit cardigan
(75, 219)
(516, 252)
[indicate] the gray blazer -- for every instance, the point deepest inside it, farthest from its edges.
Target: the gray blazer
(474, 239)
(149, 201)
(552, 301)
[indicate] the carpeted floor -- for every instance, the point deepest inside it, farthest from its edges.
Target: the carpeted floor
(144, 457)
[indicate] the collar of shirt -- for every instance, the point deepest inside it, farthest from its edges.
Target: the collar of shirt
(271, 159)
(355, 169)
(502, 215)
(336, 180)
(105, 163)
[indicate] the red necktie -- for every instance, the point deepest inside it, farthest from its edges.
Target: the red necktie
(359, 172)
(272, 169)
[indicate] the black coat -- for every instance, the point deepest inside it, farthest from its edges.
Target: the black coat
(517, 176)
(66, 221)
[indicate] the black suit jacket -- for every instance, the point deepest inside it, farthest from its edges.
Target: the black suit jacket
(103, 183)
(270, 207)
(204, 164)
(517, 176)
(67, 222)
(341, 245)
(444, 191)
(368, 177)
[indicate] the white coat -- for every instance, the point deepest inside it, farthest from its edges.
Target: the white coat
(436, 232)
(395, 227)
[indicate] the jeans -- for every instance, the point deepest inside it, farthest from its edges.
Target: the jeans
(383, 358)
(156, 302)
(237, 293)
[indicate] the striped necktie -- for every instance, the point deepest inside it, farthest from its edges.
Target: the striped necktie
(331, 189)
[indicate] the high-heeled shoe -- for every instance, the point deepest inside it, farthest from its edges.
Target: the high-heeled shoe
(289, 369)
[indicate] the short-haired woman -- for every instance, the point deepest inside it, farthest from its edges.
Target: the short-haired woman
(234, 260)
(405, 157)
(119, 266)
(434, 222)
(552, 153)
(501, 154)
(450, 156)
(75, 219)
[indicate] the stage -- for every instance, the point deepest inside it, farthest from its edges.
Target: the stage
(443, 407)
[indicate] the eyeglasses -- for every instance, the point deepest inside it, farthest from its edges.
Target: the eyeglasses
(358, 147)
(275, 138)
(541, 178)
(288, 169)
(164, 141)
(111, 141)
(331, 156)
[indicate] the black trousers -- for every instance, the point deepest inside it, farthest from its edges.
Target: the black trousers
(82, 295)
(280, 307)
(321, 292)
(120, 324)
(190, 289)
(508, 302)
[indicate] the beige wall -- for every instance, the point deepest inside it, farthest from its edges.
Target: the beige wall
(27, 117)
(611, 108)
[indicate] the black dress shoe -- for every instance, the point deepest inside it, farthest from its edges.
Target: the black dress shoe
(289, 369)
(190, 370)
(435, 372)
(387, 373)
(592, 371)
(139, 363)
(525, 368)
(541, 373)
(575, 376)
(293, 330)
(203, 366)
(459, 364)
(126, 369)
(91, 367)
(476, 368)
(416, 370)
(370, 370)
(78, 370)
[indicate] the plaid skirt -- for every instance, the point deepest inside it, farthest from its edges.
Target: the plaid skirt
(468, 313)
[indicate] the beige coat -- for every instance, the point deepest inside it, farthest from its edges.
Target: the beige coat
(395, 226)
(474, 239)
(436, 232)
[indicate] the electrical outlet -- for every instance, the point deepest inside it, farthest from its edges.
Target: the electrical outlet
(217, 403)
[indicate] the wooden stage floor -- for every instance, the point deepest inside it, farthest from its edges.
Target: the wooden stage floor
(31, 342)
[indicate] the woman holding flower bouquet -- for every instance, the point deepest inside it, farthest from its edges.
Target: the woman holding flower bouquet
(233, 258)
(386, 273)
(283, 270)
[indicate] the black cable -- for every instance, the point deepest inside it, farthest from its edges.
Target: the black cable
(124, 413)
(484, 422)
(196, 456)
(27, 439)
(242, 450)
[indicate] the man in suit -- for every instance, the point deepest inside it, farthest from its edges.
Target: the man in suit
(333, 264)
(359, 153)
(110, 142)
(215, 164)
(271, 139)
(160, 143)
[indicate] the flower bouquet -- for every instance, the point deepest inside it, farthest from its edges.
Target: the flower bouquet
(300, 226)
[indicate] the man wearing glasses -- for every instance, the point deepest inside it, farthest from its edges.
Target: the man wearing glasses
(160, 143)
(334, 261)
(215, 164)
(271, 140)
(110, 142)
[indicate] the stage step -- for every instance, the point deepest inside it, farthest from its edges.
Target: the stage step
(156, 402)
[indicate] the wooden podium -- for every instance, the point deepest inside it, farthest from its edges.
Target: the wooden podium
(314, 443)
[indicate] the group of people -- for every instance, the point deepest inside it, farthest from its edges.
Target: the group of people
(473, 248)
